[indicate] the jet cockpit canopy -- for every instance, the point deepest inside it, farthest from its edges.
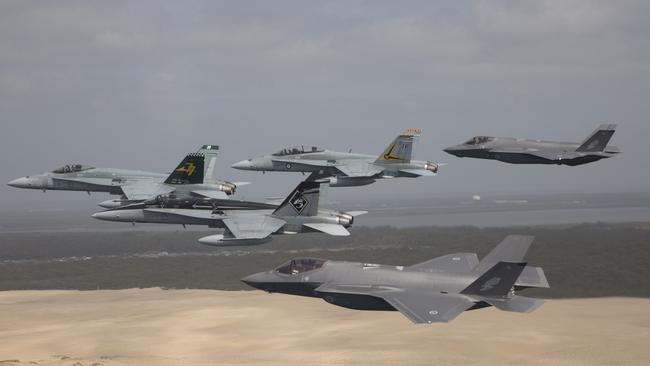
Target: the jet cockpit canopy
(297, 150)
(300, 265)
(72, 168)
(478, 140)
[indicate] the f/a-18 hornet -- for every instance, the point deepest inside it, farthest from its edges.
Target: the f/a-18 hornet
(345, 168)
(437, 290)
(190, 178)
(244, 222)
(522, 151)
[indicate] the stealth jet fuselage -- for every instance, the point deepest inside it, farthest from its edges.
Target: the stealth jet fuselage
(525, 151)
(437, 290)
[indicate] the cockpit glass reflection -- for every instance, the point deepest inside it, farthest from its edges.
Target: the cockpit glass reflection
(72, 168)
(301, 265)
(297, 150)
(478, 140)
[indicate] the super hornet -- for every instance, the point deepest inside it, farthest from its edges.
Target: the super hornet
(522, 151)
(345, 168)
(244, 222)
(190, 178)
(437, 290)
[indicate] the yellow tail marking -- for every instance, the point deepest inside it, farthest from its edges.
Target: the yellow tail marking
(188, 168)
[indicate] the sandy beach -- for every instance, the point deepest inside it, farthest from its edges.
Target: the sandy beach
(204, 327)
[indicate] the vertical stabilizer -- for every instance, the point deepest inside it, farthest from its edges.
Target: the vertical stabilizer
(598, 140)
(303, 201)
(401, 149)
(189, 171)
(210, 152)
(512, 249)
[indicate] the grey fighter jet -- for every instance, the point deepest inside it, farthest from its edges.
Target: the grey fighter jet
(190, 178)
(522, 151)
(437, 290)
(345, 168)
(244, 223)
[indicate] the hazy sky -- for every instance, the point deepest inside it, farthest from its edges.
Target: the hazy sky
(137, 84)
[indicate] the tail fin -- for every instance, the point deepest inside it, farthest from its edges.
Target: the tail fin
(210, 152)
(498, 281)
(512, 249)
(303, 201)
(401, 149)
(189, 171)
(598, 140)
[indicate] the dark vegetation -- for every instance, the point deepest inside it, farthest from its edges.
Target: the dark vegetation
(590, 260)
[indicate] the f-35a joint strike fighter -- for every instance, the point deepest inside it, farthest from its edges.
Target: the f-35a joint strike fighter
(522, 151)
(437, 290)
(345, 168)
(244, 222)
(190, 178)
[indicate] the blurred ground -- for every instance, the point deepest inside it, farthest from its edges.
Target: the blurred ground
(206, 327)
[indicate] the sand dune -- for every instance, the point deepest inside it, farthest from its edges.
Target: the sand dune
(202, 327)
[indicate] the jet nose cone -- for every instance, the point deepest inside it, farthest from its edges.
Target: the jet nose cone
(105, 215)
(20, 183)
(243, 165)
(255, 280)
(452, 150)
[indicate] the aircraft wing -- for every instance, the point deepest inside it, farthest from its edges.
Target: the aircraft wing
(418, 306)
(251, 226)
(426, 307)
(142, 190)
(358, 168)
(331, 229)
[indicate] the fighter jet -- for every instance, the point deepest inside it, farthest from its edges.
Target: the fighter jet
(345, 168)
(521, 151)
(437, 290)
(190, 178)
(244, 222)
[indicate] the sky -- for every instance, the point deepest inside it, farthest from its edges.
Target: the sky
(138, 84)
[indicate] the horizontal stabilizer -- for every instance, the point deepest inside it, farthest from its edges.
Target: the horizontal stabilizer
(356, 213)
(518, 304)
(418, 172)
(532, 277)
(331, 229)
(211, 194)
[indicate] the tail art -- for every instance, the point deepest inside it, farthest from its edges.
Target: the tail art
(401, 149)
(189, 171)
